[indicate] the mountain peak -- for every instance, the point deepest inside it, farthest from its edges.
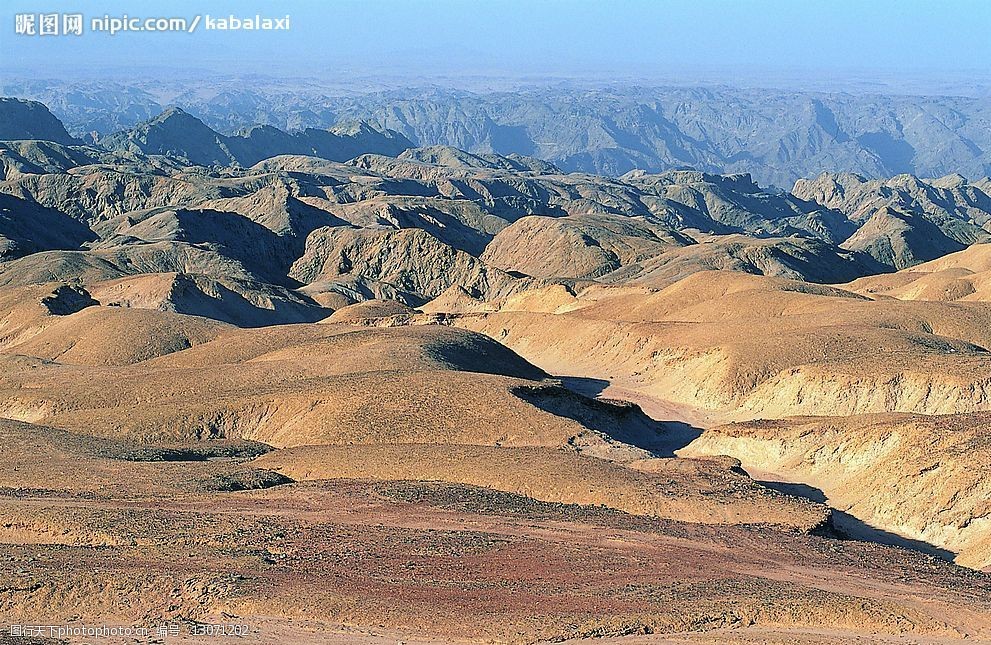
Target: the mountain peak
(171, 111)
(30, 120)
(174, 114)
(953, 180)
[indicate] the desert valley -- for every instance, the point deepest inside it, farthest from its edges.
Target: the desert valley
(341, 386)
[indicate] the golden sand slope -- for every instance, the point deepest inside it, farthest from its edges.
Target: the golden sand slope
(33, 323)
(341, 386)
(336, 385)
(961, 276)
(749, 346)
(133, 496)
(42, 458)
(746, 347)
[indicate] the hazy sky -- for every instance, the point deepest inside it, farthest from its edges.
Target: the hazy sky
(555, 37)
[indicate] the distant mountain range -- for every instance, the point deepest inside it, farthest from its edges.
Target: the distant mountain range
(175, 133)
(776, 136)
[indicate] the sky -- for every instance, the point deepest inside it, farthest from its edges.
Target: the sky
(637, 38)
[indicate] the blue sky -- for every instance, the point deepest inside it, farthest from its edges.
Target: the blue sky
(556, 37)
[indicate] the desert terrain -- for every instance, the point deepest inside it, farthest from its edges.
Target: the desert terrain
(337, 387)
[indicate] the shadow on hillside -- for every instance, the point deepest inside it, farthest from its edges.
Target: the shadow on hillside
(676, 435)
(848, 527)
(635, 427)
(588, 386)
(796, 490)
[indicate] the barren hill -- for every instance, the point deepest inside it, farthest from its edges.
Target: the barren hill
(923, 476)
(760, 347)
(411, 226)
(956, 276)
(905, 219)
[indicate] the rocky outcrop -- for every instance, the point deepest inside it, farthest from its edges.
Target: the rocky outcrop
(787, 257)
(899, 239)
(904, 220)
(581, 247)
(408, 265)
(454, 158)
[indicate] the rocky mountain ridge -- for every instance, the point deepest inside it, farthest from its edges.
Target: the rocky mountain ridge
(297, 232)
(20, 119)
